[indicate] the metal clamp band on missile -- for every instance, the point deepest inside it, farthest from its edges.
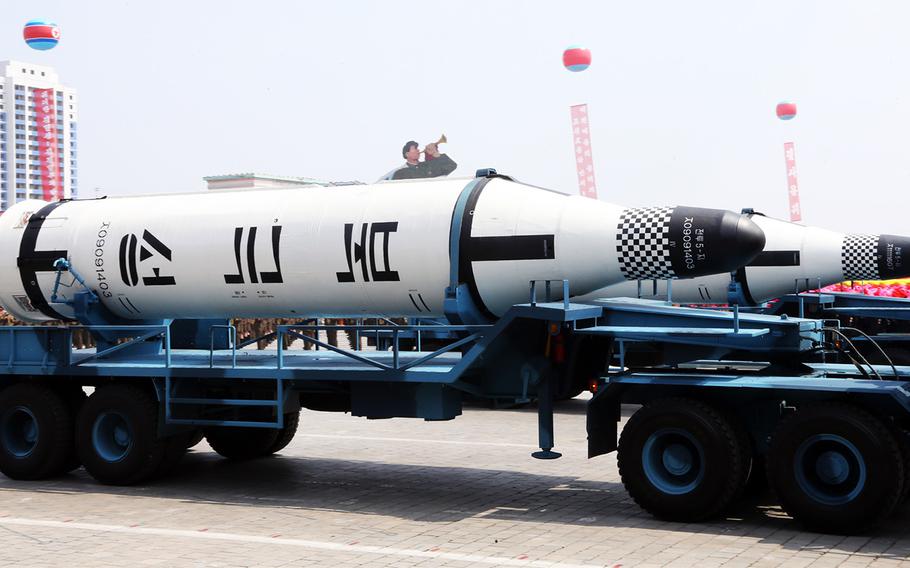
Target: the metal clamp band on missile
(348, 251)
(795, 258)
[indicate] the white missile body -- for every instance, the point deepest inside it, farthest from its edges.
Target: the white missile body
(795, 258)
(344, 251)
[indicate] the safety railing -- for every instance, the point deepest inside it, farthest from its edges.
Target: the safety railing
(145, 332)
(475, 333)
(654, 282)
(232, 337)
(802, 299)
(548, 291)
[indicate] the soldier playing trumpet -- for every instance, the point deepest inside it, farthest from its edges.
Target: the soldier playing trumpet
(435, 164)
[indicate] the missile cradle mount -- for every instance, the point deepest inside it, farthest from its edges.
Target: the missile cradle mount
(722, 391)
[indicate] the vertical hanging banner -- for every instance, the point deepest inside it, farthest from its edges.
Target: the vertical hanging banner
(792, 186)
(584, 163)
(48, 156)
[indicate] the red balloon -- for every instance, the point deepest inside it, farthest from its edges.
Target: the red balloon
(576, 58)
(786, 110)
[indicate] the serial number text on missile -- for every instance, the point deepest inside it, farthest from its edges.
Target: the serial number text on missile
(693, 251)
(893, 257)
(103, 285)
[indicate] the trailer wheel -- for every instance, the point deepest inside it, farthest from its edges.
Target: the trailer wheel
(36, 432)
(75, 397)
(192, 441)
(248, 443)
(570, 394)
(682, 460)
(117, 435)
(239, 443)
(175, 449)
(835, 468)
(903, 442)
(757, 480)
(286, 434)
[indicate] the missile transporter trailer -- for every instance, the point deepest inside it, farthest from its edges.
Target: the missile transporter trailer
(726, 400)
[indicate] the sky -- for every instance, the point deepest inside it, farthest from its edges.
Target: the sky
(681, 95)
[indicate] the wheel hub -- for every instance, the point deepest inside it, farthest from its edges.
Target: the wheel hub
(677, 459)
(112, 437)
(20, 431)
(121, 436)
(830, 469)
(673, 461)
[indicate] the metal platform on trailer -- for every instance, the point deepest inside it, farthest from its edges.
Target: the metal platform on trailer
(295, 364)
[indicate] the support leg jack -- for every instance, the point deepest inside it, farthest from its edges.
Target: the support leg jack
(545, 420)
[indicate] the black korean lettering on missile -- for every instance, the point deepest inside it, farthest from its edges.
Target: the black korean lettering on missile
(365, 253)
(273, 277)
(31, 261)
(132, 254)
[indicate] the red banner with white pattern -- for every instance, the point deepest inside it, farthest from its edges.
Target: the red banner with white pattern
(796, 213)
(584, 163)
(48, 155)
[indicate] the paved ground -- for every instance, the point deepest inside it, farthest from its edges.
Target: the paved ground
(351, 492)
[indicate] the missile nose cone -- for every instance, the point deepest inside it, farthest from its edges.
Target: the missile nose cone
(875, 257)
(748, 237)
(685, 242)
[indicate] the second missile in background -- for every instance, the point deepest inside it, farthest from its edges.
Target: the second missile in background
(795, 258)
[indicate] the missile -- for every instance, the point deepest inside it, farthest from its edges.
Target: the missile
(796, 258)
(391, 248)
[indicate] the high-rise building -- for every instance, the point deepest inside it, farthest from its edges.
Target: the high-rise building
(38, 117)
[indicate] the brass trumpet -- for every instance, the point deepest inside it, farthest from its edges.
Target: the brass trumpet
(442, 140)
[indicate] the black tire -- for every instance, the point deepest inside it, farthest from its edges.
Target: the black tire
(903, 442)
(241, 443)
(75, 397)
(117, 435)
(682, 460)
(286, 434)
(36, 432)
(757, 481)
(175, 449)
(195, 438)
(569, 395)
(835, 468)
